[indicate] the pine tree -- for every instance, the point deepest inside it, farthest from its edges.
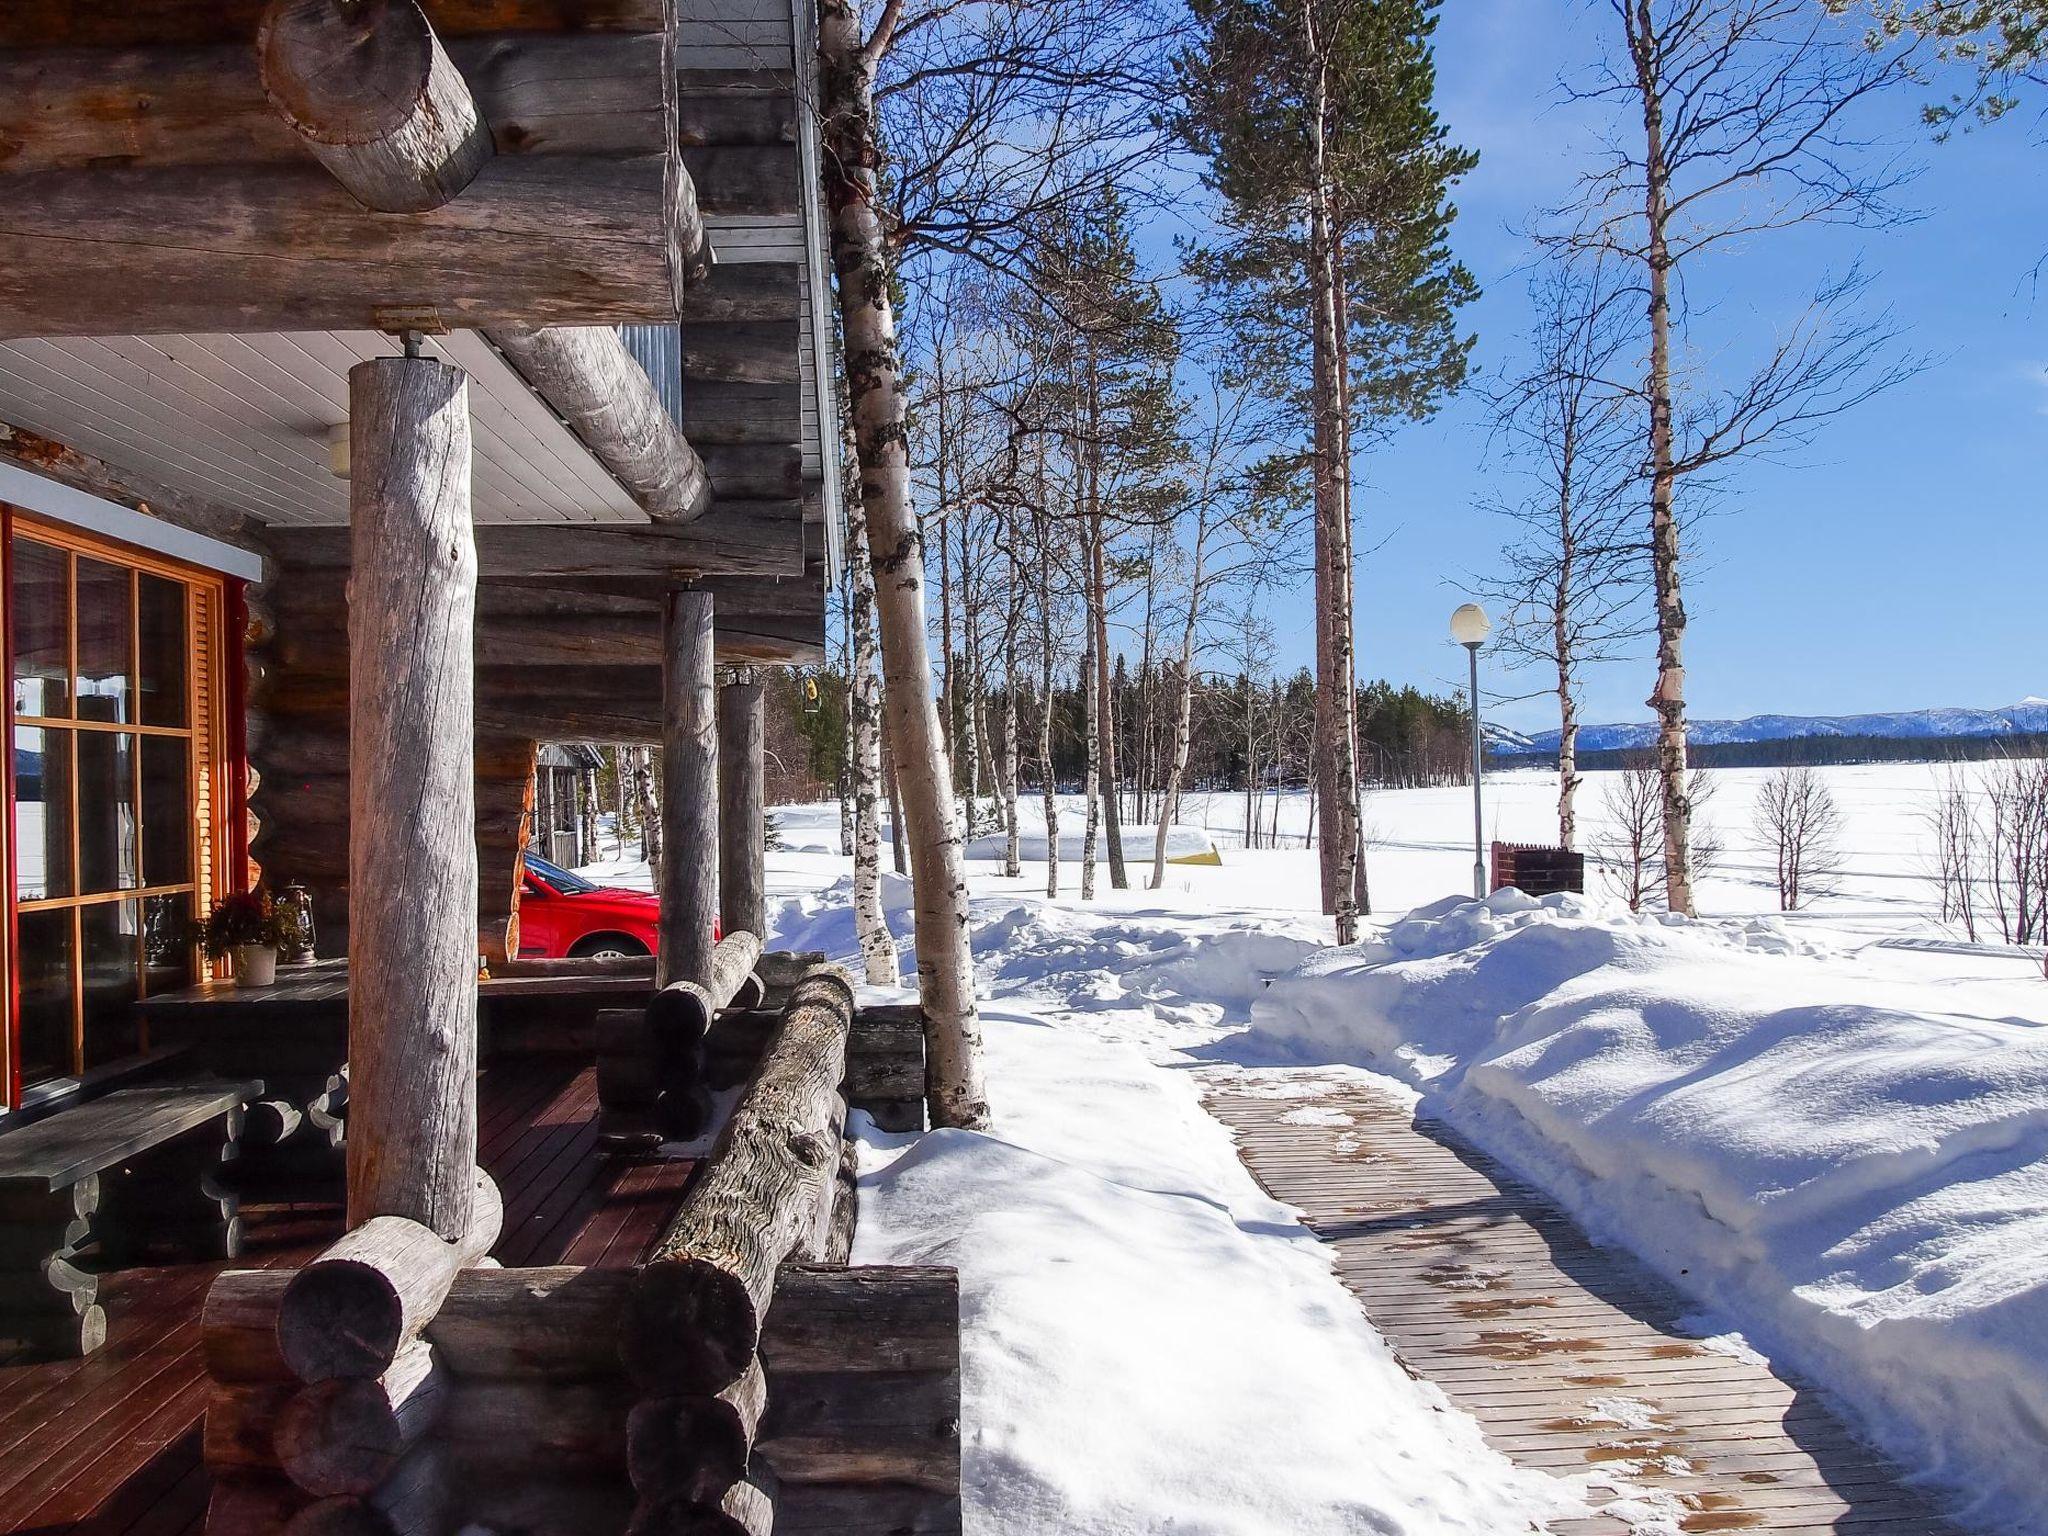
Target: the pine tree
(1334, 269)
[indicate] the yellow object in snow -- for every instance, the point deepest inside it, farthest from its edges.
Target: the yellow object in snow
(1206, 856)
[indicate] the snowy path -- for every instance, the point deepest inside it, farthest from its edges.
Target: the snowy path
(1573, 1358)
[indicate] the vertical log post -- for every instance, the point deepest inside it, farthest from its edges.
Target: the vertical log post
(412, 790)
(689, 789)
(742, 815)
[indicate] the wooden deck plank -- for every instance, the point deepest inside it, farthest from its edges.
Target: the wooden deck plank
(108, 1445)
(1485, 1287)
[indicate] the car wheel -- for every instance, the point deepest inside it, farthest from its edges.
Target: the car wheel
(607, 946)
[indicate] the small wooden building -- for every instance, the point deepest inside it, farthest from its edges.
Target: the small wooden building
(387, 387)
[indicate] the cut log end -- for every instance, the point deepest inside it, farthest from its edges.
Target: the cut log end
(691, 1328)
(376, 98)
(387, 50)
(340, 1318)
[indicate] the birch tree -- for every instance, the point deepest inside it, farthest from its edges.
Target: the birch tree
(1731, 120)
(879, 960)
(1571, 593)
(860, 259)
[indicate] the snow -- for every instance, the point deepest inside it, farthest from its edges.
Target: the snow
(1846, 1154)
(1829, 1127)
(1149, 1343)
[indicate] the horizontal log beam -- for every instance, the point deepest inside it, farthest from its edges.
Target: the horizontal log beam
(746, 180)
(77, 108)
(754, 469)
(744, 291)
(760, 352)
(139, 23)
(586, 374)
(733, 538)
(735, 106)
(535, 240)
(744, 413)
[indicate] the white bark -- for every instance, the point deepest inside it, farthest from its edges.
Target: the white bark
(878, 956)
(945, 962)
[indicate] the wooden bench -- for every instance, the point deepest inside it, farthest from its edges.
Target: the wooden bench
(137, 1171)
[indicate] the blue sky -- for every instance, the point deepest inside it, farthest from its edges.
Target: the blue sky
(1899, 562)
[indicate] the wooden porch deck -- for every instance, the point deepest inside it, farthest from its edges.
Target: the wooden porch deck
(109, 1445)
(1569, 1355)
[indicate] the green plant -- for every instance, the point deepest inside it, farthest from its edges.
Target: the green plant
(245, 917)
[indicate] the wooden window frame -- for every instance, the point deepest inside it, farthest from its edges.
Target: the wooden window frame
(215, 847)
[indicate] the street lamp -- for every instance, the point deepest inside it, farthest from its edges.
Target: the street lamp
(1470, 627)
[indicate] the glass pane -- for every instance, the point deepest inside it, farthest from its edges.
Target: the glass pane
(167, 955)
(106, 812)
(42, 629)
(166, 810)
(111, 932)
(42, 813)
(45, 970)
(106, 642)
(160, 603)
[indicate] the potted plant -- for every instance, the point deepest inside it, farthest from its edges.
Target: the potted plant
(248, 927)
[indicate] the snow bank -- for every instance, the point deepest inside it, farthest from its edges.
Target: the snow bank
(1852, 1163)
(1148, 1342)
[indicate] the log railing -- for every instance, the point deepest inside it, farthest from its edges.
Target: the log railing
(692, 1335)
(744, 1377)
(324, 1392)
(651, 1081)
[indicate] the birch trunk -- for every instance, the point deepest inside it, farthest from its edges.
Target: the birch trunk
(1105, 710)
(649, 809)
(1048, 786)
(945, 962)
(1091, 786)
(877, 948)
(970, 706)
(1668, 700)
(1013, 617)
(898, 860)
(1183, 702)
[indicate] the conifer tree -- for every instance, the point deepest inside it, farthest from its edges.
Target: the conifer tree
(1318, 121)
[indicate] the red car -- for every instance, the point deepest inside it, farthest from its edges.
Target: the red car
(564, 916)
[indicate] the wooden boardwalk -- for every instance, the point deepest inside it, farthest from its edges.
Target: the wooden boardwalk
(109, 1445)
(1566, 1353)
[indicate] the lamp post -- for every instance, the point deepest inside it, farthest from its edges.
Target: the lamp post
(1470, 627)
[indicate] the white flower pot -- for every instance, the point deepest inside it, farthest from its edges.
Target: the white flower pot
(255, 965)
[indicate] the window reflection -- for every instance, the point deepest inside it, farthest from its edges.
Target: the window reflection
(106, 642)
(42, 813)
(42, 629)
(109, 855)
(166, 810)
(45, 978)
(160, 608)
(112, 939)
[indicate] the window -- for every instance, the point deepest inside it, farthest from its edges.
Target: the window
(117, 746)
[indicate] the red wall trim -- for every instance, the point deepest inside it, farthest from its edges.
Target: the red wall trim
(12, 1085)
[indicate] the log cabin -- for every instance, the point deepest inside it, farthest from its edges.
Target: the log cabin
(387, 388)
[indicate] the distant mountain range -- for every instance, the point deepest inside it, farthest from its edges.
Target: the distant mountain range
(2029, 715)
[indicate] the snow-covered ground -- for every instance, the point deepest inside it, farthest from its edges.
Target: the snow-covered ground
(1834, 1132)
(1841, 1149)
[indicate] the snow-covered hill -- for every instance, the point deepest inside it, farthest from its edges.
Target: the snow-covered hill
(2030, 714)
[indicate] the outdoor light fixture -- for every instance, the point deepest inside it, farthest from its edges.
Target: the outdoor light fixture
(1470, 627)
(337, 451)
